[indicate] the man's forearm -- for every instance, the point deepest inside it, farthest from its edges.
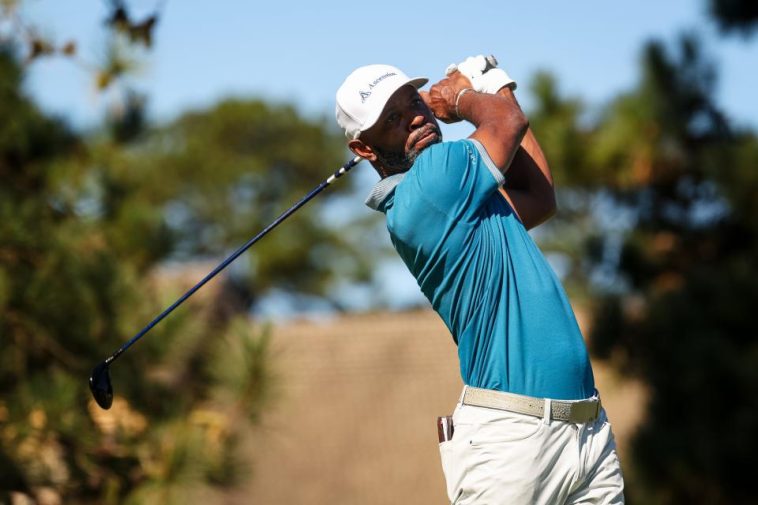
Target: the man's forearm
(529, 185)
(529, 170)
(500, 123)
(522, 173)
(503, 130)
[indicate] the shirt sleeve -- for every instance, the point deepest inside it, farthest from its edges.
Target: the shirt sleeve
(457, 178)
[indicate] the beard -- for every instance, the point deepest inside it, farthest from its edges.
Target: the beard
(402, 161)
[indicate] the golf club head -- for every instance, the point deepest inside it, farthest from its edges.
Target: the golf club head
(100, 385)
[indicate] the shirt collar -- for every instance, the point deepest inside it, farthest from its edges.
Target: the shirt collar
(382, 190)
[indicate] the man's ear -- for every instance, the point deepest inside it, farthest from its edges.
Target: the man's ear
(361, 149)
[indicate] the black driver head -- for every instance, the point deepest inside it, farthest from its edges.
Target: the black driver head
(100, 385)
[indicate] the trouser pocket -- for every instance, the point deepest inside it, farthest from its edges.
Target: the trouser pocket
(449, 468)
(453, 444)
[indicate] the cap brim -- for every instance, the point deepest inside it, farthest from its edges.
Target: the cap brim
(416, 82)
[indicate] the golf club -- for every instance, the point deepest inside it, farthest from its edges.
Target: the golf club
(100, 380)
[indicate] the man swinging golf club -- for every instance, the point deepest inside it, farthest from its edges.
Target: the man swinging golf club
(529, 427)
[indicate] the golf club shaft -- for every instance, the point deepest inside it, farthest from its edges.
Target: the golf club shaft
(339, 173)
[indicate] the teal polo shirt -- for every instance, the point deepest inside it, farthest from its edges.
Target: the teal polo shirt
(484, 275)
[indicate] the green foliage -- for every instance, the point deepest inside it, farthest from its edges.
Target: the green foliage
(88, 227)
(679, 271)
(659, 219)
(556, 119)
(696, 346)
(735, 15)
(127, 41)
(227, 172)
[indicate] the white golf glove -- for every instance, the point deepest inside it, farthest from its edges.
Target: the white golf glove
(492, 81)
(483, 74)
(473, 66)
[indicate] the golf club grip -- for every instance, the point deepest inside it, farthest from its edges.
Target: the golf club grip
(339, 173)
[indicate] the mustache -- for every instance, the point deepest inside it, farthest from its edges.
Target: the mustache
(400, 161)
(423, 132)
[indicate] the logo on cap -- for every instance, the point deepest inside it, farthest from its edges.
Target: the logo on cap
(371, 85)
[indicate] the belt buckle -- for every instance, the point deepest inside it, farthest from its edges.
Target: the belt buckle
(579, 412)
(595, 413)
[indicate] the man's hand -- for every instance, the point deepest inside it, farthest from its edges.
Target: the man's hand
(493, 81)
(483, 73)
(473, 66)
(442, 96)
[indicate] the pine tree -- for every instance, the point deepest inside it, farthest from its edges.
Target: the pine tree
(92, 229)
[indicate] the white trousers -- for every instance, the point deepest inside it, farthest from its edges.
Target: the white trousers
(497, 457)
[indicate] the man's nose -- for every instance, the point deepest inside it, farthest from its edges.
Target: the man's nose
(417, 122)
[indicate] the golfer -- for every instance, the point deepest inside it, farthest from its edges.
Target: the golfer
(529, 427)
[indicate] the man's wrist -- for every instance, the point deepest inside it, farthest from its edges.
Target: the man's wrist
(458, 97)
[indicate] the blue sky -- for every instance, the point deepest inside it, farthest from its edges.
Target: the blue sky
(300, 52)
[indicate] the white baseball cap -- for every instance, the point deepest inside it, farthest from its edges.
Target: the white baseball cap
(365, 92)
